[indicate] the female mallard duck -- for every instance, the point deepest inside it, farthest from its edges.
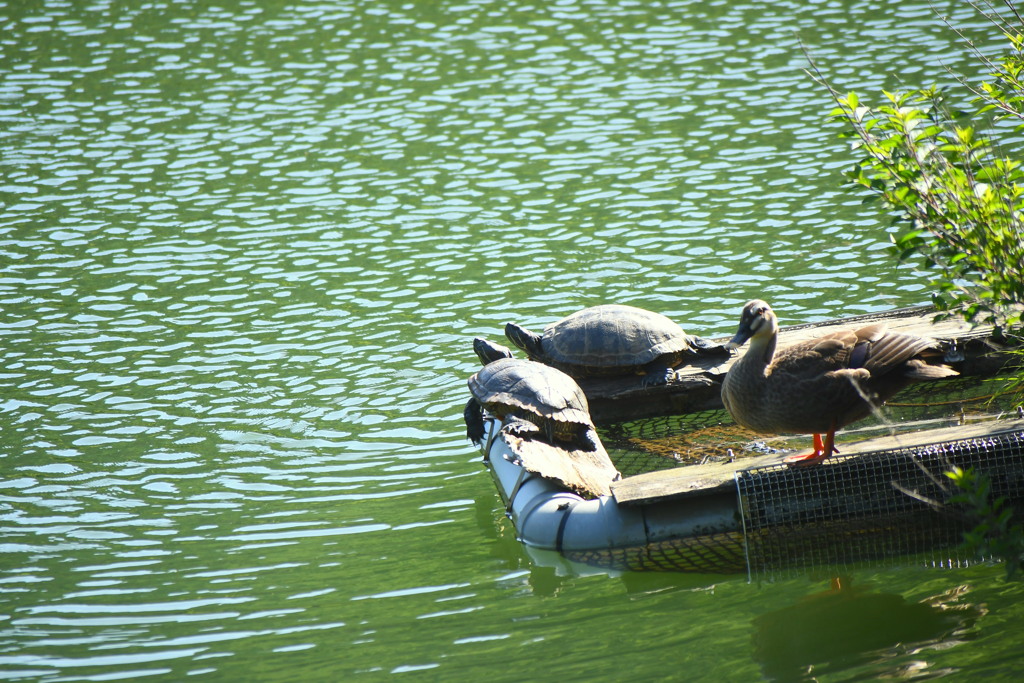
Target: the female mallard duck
(820, 385)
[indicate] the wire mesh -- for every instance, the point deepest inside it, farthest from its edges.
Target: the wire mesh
(871, 506)
(708, 554)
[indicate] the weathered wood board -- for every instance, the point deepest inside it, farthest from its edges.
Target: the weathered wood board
(588, 473)
(715, 477)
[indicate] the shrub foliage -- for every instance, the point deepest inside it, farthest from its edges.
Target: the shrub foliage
(956, 195)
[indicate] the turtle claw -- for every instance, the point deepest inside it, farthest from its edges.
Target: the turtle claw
(657, 376)
(521, 428)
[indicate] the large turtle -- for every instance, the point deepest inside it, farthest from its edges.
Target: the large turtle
(533, 400)
(612, 340)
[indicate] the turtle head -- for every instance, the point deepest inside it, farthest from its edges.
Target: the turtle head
(757, 320)
(488, 351)
(525, 339)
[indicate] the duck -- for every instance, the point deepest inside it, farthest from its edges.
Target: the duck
(820, 385)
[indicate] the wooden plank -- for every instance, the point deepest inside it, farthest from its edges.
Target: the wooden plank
(642, 489)
(713, 478)
(588, 473)
(697, 386)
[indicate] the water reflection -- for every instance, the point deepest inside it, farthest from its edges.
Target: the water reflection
(849, 628)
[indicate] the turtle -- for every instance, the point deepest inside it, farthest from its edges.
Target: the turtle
(532, 399)
(611, 340)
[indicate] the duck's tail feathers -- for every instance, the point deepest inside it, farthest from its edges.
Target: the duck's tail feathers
(920, 370)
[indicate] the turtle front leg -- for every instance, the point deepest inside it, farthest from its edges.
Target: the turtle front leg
(657, 374)
(587, 438)
(524, 429)
(473, 415)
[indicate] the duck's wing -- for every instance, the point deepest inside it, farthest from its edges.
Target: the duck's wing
(815, 357)
(891, 350)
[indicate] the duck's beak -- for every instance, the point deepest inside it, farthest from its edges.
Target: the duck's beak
(742, 335)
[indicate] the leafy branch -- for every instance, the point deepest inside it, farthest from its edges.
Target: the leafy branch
(956, 197)
(995, 534)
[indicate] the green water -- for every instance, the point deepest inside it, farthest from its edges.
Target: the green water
(244, 247)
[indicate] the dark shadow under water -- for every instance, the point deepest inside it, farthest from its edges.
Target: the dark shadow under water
(846, 628)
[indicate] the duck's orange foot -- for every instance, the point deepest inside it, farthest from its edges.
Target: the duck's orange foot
(821, 451)
(804, 460)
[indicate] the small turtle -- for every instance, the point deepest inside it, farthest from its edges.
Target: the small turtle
(532, 399)
(612, 340)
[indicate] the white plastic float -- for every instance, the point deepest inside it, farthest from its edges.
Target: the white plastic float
(602, 531)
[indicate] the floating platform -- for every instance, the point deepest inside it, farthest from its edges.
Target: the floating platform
(882, 500)
(699, 494)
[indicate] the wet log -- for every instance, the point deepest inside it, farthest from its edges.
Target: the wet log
(587, 473)
(696, 387)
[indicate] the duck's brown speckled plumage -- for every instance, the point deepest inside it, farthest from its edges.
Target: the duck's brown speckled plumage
(822, 384)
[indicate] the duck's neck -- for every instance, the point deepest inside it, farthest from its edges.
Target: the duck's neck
(762, 351)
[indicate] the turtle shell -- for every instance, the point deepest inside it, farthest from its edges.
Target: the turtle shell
(534, 392)
(615, 338)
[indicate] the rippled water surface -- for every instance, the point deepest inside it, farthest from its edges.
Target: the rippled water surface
(244, 247)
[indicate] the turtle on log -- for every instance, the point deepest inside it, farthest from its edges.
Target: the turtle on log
(533, 400)
(612, 340)
(546, 420)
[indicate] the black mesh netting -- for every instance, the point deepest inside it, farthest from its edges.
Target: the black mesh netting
(878, 505)
(711, 554)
